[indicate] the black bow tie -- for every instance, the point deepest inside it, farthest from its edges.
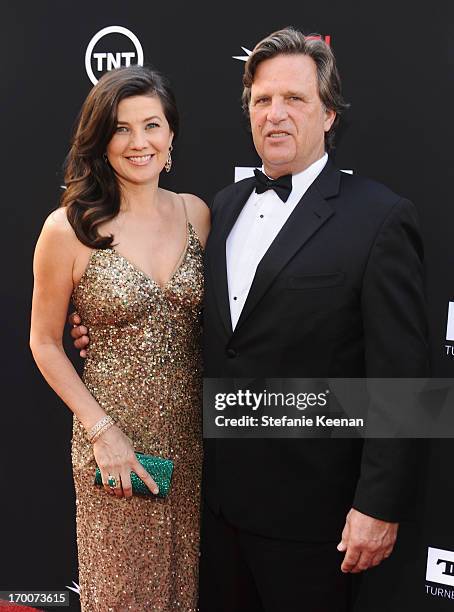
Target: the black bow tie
(282, 185)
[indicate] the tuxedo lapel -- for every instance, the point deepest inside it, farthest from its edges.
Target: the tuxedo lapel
(225, 220)
(309, 215)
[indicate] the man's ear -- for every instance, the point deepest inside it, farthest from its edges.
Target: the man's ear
(330, 116)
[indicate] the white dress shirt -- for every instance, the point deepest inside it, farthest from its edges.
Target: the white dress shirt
(258, 224)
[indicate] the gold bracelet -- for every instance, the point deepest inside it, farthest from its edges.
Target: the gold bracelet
(99, 427)
(101, 431)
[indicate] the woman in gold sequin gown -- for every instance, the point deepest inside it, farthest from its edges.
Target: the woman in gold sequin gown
(129, 254)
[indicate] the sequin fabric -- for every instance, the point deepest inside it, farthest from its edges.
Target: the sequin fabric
(144, 369)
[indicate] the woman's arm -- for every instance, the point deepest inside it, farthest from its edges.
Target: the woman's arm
(53, 265)
(55, 255)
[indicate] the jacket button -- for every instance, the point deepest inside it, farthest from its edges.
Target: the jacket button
(231, 353)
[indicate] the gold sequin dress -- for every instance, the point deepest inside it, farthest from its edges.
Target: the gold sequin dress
(144, 369)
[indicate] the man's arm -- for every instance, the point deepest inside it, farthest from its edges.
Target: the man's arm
(396, 346)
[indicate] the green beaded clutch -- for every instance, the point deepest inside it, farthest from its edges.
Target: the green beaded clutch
(159, 469)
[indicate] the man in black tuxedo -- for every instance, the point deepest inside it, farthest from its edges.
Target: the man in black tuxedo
(316, 275)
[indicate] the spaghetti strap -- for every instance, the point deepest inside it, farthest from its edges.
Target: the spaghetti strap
(190, 228)
(185, 209)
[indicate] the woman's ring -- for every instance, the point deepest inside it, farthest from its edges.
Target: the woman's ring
(112, 482)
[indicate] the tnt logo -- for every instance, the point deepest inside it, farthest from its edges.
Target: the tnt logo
(440, 566)
(110, 48)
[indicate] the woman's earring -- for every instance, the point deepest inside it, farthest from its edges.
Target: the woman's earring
(168, 164)
(104, 156)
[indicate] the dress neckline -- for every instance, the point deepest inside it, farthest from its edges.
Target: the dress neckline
(161, 288)
(177, 267)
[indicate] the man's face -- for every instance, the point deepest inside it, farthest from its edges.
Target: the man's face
(288, 119)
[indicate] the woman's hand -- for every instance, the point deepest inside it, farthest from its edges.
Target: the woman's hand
(115, 457)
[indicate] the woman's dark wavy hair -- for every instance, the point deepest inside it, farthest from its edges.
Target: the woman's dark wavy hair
(92, 194)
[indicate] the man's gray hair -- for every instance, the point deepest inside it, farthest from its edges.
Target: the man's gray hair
(290, 41)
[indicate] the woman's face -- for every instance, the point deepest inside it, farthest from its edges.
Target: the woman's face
(140, 145)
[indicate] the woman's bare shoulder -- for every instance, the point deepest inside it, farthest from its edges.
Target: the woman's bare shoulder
(196, 203)
(198, 214)
(58, 232)
(57, 223)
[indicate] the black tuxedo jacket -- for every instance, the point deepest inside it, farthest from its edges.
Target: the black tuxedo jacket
(338, 294)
